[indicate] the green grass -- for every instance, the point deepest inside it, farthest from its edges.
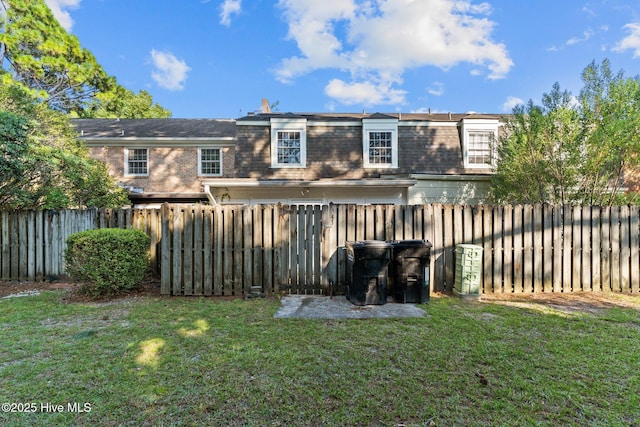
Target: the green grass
(197, 361)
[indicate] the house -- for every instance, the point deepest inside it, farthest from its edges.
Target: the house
(160, 160)
(301, 158)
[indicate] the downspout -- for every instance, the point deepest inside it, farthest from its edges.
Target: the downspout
(212, 200)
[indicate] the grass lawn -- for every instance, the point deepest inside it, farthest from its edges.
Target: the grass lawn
(196, 361)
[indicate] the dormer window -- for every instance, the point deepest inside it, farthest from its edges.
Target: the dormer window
(288, 143)
(288, 147)
(479, 138)
(481, 146)
(380, 143)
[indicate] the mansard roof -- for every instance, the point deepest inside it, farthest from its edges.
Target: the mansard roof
(156, 128)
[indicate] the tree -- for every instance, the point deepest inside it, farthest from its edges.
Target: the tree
(40, 54)
(17, 164)
(572, 150)
(611, 125)
(123, 103)
(44, 165)
(538, 156)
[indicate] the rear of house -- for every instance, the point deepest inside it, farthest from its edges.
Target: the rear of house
(292, 158)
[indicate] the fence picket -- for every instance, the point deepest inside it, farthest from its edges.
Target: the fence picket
(267, 242)
(567, 254)
(487, 261)
(341, 232)
(557, 248)
(625, 250)
(498, 266)
(247, 252)
(596, 281)
(258, 247)
(547, 248)
(585, 245)
(237, 251)
(178, 230)
(188, 251)
(507, 248)
(207, 253)
(5, 245)
(615, 249)
(605, 248)
(537, 248)
(198, 250)
(449, 248)
(634, 243)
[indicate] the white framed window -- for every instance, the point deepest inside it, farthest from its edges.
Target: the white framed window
(288, 143)
(288, 147)
(209, 161)
(136, 161)
(479, 138)
(380, 143)
(380, 148)
(480, 148)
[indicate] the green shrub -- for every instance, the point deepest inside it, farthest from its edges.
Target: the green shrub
(108, 260)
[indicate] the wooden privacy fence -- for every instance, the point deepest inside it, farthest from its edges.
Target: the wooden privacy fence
(234, 250)
(227, 250)
(32, 243)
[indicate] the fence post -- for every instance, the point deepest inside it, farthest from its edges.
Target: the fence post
(634, 236)
(165, 250)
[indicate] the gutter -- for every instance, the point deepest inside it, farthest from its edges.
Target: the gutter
(318, 183)
(212, 199)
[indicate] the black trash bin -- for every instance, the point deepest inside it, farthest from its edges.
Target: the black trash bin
(367, 272)
(410, 271)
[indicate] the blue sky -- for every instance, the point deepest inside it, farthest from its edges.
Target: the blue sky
(219, 58)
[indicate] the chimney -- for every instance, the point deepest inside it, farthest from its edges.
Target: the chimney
(265, 108)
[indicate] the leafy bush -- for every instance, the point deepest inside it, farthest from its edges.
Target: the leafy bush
(108, 260)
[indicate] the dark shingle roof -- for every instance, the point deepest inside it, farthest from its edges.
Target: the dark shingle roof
(428, 117)
(156, 128)
(226, 128)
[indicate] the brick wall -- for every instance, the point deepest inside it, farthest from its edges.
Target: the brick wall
(171, 169)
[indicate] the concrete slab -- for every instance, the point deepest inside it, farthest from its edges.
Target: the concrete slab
(338, 307)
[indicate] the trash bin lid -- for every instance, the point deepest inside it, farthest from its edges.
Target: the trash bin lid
(371, 244)
(412, 243)
(468, 246)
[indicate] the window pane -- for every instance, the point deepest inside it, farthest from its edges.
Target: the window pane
(210, 161)
(380, 147)
(480, 150)
(289, 147)
(137, 161)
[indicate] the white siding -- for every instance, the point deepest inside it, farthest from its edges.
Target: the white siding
(455, 190)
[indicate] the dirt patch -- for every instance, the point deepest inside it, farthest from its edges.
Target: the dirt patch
(586, 302)
(72, 290)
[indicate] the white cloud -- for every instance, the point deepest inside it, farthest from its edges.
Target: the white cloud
(381, 39)
(169, 72)
(228, 8)
(365, 93)
(632, 41)
(57, 8)
(511, 103)
(585, 36)
(436, 89)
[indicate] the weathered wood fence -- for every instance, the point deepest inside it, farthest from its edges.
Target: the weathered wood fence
(232, 250)
(32, 243)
